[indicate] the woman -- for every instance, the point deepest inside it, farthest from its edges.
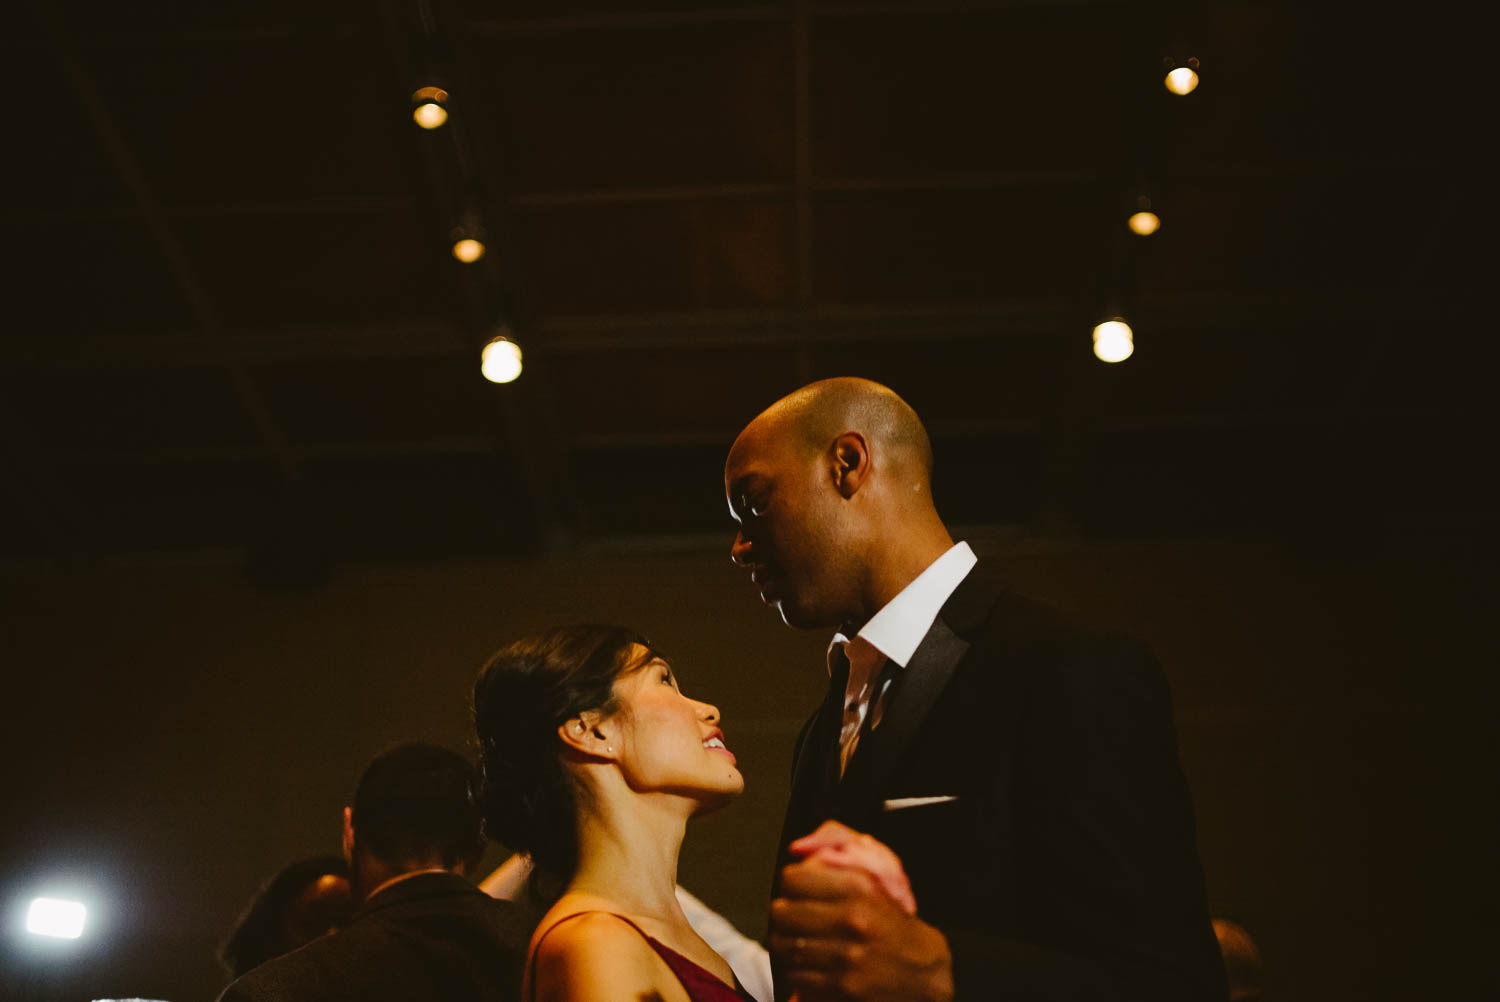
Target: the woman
(307, 899)
(593, 761)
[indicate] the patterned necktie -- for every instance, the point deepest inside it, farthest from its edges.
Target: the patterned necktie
(864, 660)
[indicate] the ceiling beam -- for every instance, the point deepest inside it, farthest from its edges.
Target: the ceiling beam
(761, 14)
(628, 333)
(803, 183)
(1301, 420)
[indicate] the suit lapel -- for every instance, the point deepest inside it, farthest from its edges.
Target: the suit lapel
(911, 697)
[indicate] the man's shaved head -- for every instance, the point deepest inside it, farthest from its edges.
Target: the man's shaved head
(820, 412)
(832, 490)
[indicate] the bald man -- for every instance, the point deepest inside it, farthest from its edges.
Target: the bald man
(1018, 771)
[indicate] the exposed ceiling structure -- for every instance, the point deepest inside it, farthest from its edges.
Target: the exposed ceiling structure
(233, 320)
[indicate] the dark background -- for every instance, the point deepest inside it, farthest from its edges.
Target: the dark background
(260, 517)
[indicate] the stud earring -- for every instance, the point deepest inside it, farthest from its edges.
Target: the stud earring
(610, 749)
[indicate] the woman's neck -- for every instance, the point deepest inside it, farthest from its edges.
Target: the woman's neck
(627, 852)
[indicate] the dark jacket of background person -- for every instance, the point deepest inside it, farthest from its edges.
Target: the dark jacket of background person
(1065, 867)
(432, 936)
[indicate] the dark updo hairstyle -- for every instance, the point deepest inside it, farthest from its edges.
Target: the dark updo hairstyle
(258, 934)
(523, 694)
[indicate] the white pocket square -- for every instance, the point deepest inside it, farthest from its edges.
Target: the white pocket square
(902, 803)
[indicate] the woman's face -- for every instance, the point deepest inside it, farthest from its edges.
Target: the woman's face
(667, 742)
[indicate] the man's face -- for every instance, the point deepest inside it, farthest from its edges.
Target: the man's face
(790, 533)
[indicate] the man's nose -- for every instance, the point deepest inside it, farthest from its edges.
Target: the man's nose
(739, 551)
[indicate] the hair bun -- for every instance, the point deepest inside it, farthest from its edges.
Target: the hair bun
(523, 694)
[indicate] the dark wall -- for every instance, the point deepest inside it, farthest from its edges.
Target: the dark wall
(179, 735)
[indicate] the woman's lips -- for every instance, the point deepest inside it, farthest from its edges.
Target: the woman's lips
(715, 743)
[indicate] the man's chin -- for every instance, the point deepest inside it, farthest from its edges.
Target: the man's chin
(797, 617)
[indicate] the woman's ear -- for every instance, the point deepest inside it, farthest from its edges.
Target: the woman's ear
(582, 733)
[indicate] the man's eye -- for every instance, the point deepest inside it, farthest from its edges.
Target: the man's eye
(750, 506)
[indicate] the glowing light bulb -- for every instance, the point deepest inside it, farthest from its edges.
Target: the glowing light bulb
(55, 917)
(468, 250)
(500, 360)
(429, 115)
(1144, 223)
(428, 109)
(1113, 341)
(1183, 80)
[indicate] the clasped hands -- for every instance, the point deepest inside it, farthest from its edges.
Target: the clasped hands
(845, 924)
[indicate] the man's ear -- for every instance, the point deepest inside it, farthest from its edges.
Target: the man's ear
(348, 834)
(851, 463)
(582, 733)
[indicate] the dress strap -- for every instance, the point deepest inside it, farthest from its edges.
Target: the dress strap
(700, 983)
(531, 961)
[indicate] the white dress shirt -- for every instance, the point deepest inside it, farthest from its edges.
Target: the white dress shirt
(893, 634)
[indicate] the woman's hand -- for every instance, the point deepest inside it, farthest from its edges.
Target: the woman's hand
(838, 845)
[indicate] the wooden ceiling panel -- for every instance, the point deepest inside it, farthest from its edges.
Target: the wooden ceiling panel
(553, 11)
(394, 400)
(660, 105)
(68, 170)
(175, 19)
(86, 276)
(264, 119)
(957, 245)
(657, 256)
(276, 267)
(1223, 370)
(627, 394)
(138, 407)
(1318, 234)
(944, 92)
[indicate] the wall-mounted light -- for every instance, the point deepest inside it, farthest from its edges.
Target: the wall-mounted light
(429, 107)
(1113, 341)
(500, 360)
(1182, 76)
(55, 917)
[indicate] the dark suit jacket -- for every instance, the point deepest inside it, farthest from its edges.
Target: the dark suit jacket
(433, 936)
(1066, 866)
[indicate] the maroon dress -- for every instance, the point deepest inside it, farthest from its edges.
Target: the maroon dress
(702, 985)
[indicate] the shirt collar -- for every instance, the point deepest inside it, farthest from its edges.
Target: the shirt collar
(899, 626)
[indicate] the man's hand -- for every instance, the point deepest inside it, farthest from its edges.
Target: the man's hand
(838, 934)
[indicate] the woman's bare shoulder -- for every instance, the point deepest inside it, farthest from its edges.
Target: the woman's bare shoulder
(591, 955)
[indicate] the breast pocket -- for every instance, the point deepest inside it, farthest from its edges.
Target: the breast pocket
(922, 827)
(955, 848)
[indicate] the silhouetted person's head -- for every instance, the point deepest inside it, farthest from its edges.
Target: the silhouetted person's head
(414, 809)
(1241, 961)
(305, 900)
(832, 490)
